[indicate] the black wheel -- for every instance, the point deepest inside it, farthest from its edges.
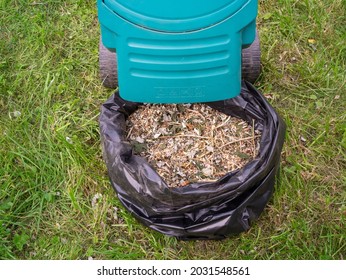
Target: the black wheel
(251, 61)
(108, 67)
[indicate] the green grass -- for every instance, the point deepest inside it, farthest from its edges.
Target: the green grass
(51, 165)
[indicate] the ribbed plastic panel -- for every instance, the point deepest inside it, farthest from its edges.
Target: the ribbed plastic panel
(183, 59)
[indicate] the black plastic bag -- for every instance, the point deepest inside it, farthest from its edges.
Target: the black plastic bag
(199, 210)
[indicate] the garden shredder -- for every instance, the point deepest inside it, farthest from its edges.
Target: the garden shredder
(178, 51)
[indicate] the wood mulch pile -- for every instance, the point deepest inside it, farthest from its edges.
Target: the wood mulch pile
(187, 143)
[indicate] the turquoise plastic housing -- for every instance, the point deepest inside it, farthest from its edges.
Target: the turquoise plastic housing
(180, 51)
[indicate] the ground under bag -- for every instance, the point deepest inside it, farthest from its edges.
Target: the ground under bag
(202, 210)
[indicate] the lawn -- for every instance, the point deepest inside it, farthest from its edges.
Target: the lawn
(56, 201)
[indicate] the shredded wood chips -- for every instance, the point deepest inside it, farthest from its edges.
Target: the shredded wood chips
(187, 143)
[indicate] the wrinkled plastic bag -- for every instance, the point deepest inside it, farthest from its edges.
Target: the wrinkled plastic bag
(202, 210)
